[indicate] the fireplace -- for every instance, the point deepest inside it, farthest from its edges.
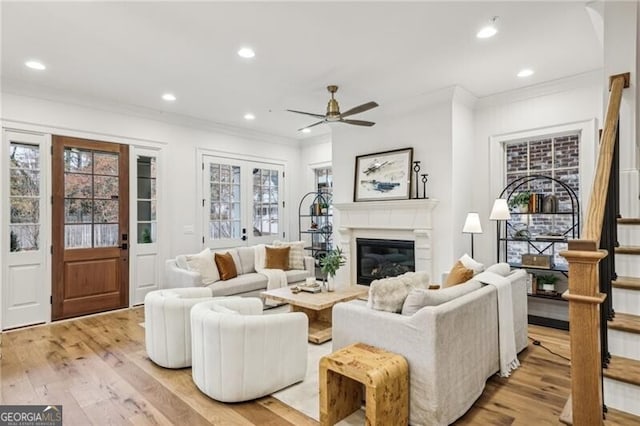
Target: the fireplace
(406, 220)
(381, 258)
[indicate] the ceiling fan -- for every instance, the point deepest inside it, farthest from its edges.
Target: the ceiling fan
(333, 114)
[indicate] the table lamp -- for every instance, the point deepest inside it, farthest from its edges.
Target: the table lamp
(500, 211)
(472, 226)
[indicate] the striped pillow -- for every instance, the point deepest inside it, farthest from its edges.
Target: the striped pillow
(296, 253)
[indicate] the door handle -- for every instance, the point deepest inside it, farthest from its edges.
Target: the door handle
(124, 246)
(244, 238)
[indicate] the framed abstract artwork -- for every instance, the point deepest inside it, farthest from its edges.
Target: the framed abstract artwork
(383, 175)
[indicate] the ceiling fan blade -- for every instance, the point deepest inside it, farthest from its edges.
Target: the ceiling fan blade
(360, 108)
(311, 125)
(359, 122)
(307, 113)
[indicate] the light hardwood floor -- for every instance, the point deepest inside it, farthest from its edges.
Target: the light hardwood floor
(97, 368)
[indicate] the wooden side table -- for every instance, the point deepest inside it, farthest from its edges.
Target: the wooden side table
(384, 376)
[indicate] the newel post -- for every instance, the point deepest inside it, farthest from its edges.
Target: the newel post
(584, 329)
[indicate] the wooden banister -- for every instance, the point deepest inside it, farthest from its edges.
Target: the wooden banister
(583, 294)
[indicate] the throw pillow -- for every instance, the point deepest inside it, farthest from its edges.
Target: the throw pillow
(247, 258)
(277, 258)
(203, 264)
(502, 269)
(458, 275)
(226, 266)
(296, 253)
(469, 263)
(419, 298)
(388, 294)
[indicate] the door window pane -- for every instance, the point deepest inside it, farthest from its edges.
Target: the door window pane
(224, 196)
(147, 196)
(265, 197)
(91, 190)
(24, 197)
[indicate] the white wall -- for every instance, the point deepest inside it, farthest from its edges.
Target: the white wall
(547, 105)
(425, 125)
(179, 144)
(462, 167)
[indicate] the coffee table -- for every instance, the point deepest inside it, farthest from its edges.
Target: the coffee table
(317, 306)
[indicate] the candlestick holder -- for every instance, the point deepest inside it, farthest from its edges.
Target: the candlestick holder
(416, 169)
(424, 185)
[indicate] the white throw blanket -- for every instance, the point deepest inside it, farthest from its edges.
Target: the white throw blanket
(506, 334)
(276, 278)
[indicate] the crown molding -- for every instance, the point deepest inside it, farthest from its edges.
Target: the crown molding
(589, 78)
(19, 88)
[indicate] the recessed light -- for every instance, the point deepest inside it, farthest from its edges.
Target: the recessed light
(249, 116)
(488, 31)
(525, 72)
(306, 130)
(170, 97)
(35, 65)
(246, 52)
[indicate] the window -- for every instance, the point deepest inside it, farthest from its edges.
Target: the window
(147, 200)
(265, 202)
(24, 197)
(241, 201)
(554, 156)
(324, 180)
(91, 198)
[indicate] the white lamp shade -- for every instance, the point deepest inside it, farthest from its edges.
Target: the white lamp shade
(500, 210)
(472, 224)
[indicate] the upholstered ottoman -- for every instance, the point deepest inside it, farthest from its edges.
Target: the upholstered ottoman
(167, 324)
(240, 354)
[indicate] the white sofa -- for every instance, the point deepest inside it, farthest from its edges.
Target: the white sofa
(451, 348)
(240, 354)
(247, 283)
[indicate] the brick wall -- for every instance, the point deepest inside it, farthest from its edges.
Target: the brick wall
(557, 157)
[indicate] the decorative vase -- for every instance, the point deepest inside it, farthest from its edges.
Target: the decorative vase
(331, 283)
(522, 208)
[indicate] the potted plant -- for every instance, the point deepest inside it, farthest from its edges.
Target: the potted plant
(520, 202)
(330, 263)
(547, 282)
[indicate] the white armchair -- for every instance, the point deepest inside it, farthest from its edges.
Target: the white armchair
(240, 354)
(167, 326)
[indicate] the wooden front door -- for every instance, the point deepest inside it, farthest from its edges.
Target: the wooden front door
(90, 226)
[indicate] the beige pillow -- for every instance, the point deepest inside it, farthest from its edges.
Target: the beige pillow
(458, 275)
(277, 258)
(204, 264)
(226, 266)
(296, 253)
(419, 298)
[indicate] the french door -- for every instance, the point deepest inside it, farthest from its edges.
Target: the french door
(242, 202)
(90, 226)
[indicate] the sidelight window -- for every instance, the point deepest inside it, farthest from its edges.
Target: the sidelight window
(24, 197)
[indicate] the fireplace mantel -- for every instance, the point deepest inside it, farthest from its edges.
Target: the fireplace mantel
(397, 219)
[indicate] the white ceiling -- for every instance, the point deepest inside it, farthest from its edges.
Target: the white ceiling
(132, 52)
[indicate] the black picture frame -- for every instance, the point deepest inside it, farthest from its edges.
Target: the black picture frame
(382, 176)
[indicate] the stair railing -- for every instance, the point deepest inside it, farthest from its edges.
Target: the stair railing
(584, 294)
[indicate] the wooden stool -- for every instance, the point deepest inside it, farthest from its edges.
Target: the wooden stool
(385, 376)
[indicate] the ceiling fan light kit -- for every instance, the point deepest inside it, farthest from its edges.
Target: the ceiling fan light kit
(333, 114)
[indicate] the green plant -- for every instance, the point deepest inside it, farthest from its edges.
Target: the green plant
(146, 236)
(547, 279)
(521, 199)
(332, 261)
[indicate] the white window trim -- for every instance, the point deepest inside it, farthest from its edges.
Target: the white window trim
(588, 146)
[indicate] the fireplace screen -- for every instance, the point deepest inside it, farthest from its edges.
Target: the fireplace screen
(378, 258)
